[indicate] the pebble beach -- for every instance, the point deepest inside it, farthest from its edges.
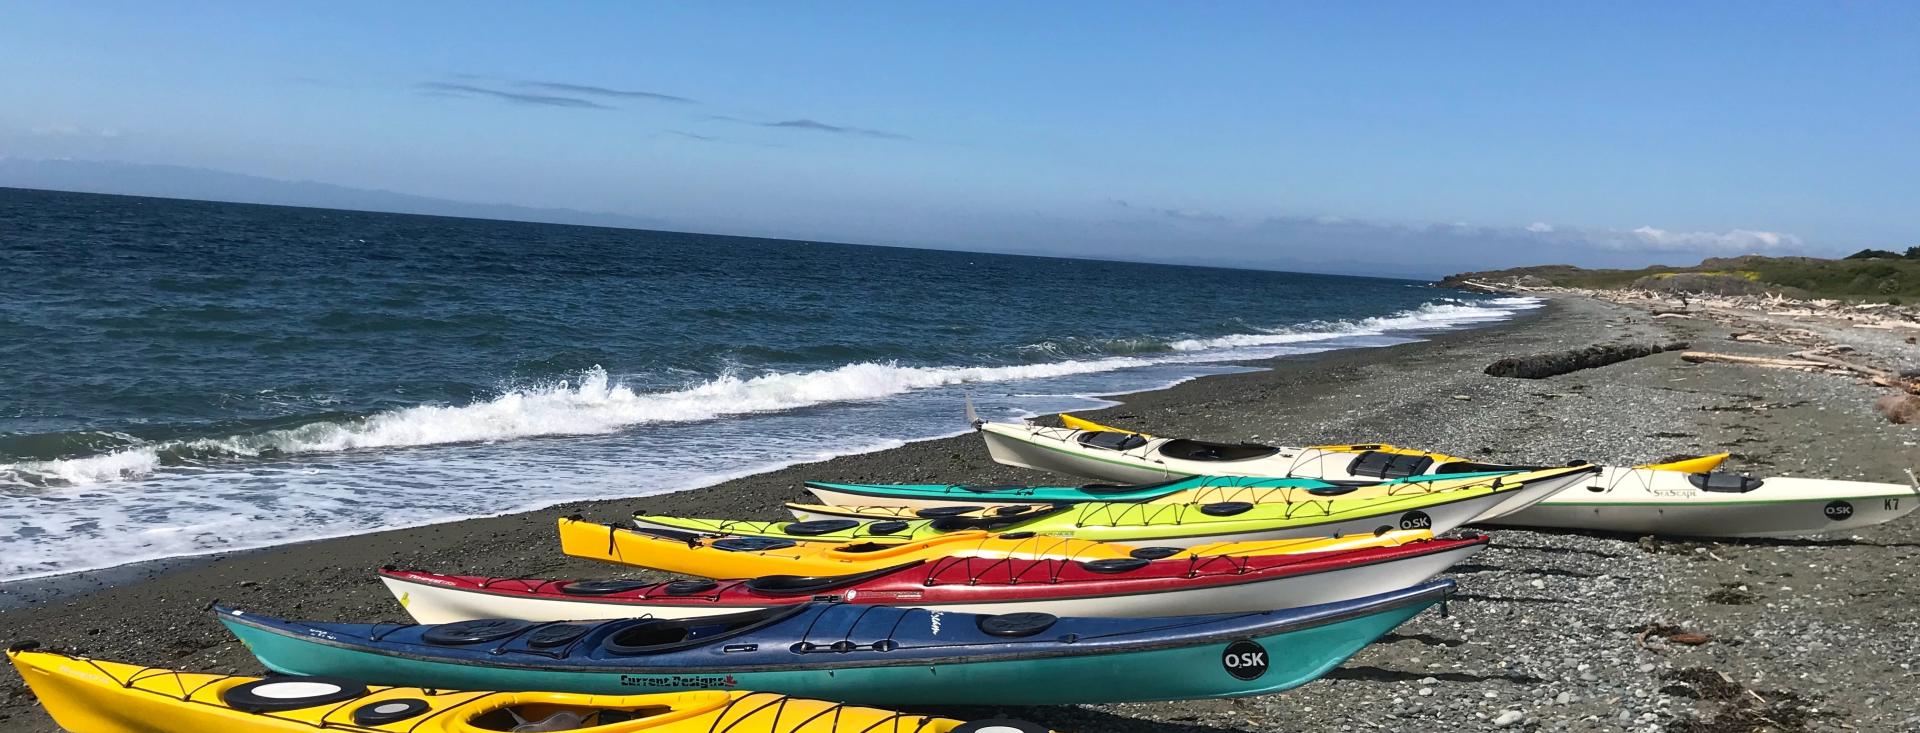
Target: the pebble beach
(1550, 631)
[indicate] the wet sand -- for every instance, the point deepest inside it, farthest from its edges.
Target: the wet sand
(1547, 631)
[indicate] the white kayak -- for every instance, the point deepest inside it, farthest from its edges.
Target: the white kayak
(1692, 501)
(1174, 584)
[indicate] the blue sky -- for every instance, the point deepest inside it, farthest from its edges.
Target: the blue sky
(1284, 134)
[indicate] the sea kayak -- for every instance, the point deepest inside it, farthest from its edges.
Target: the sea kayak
(859, 654)
(1005, 499)
(95, 696)
(690, 553)
(1086, 448)
(1178, 584)
(1184, 525)
(1684, 498)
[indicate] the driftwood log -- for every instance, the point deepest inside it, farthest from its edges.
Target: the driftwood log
(1703, 357)
(1901, 407)
(1541, 366)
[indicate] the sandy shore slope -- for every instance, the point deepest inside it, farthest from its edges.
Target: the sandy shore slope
(1548, 634)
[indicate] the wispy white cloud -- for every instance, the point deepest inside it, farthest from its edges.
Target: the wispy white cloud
(1429, 247)
(1733, 240)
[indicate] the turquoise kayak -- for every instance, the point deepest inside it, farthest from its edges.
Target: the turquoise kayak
(854, 653)
(1187, 490)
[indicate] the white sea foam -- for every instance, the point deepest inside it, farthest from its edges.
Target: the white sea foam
(1426, 317)
(597, 404)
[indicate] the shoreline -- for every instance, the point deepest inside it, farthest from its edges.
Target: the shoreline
(1547, 624)
(23, 592)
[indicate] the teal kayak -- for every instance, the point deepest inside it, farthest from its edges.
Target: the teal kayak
(854, 653)
(1187, 490)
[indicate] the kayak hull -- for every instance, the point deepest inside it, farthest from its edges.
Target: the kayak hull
(96, 696)
(1667, 504)
(1153, 659)
(1169, 587)
(1188, 525)
(1647, 500)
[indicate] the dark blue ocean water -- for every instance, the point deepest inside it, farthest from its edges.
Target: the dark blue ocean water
(183, 377)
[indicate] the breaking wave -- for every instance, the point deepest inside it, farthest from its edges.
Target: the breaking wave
(596, 403)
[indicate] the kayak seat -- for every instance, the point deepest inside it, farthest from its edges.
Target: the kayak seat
(655, 636)
(821, 526)
(1383, 465)
(794, 585)
(1111, 440)
(1724, 482)
(1200, 450)
(1473, 467)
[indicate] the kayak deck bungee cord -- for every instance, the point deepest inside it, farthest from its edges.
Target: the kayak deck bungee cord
(857, 654)
(1176, 584)
(1085, 448)
(1184, 490)
(1679, 498)
(691, 553)
(93, 696)
(1182, 525)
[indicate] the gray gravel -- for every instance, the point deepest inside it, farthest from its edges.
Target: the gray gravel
(1547, 633)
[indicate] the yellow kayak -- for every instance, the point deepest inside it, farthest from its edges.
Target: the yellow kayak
(750, 557)
(92, 696)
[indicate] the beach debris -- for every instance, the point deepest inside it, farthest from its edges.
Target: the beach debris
(1899, 409)
(1541, 366)
(1703, 357)
(1736, 707)
(1672, 634)
(1732, 594)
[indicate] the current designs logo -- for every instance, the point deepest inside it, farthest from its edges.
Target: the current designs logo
(697, 681)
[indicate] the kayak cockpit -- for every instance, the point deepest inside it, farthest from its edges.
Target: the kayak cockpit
(643, 637)
(1111, 440)
(795, 585)
(1384, 465)
(551, 717)
(1728, 483)
(1188, 449)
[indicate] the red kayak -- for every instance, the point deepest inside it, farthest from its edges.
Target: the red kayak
(1172, 584)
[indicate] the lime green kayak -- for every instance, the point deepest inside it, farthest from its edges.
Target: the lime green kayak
(1180, 525)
